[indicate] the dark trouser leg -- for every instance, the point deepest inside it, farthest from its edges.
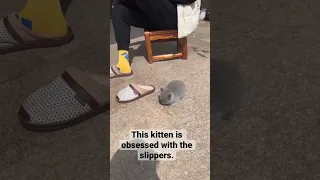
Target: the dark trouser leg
(162, 12)
(65, 5)
(147, 14)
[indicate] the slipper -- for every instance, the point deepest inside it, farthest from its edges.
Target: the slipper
(114, 73)
(74, 96)
(134, 92)
(15, 37)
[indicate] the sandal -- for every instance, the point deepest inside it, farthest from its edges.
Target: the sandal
(15, 37)
(75, 96)
(114, 73)
(134, 92)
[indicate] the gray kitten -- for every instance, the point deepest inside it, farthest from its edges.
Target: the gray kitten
(172, 93)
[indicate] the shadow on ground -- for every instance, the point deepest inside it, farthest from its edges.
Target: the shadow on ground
(274, 44)
(228, 90)
(125, 165)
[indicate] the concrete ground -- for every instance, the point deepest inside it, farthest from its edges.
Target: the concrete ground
(192, 114)
(80, 152)
(275, 46)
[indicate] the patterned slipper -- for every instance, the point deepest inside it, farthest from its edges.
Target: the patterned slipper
(114, 73)
(15, 37)
(134, 92)
(71, 98)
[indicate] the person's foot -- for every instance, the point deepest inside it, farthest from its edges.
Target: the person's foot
(123, 67)
(40, 24)
(44, 17)
(14, 36)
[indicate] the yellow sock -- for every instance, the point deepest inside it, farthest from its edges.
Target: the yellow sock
(123, 62)
(45, 17)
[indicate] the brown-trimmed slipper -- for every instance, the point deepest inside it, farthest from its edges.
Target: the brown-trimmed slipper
(134, 92)
(74, 96)
(15, 37)
(114, 73)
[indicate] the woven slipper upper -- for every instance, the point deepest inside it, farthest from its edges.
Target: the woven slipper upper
(6, 40)
(127, 94)
(134, 92)
(69, 97)
(54, 103)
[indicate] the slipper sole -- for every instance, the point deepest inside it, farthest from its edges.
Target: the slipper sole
(55, 127)
(120, 75)
(40, 44)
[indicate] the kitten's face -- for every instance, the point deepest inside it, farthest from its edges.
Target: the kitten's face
(165, 97)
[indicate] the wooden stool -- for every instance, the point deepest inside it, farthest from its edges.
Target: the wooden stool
(171, 35)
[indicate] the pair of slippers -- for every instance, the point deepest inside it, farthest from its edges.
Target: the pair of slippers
(132, 92)
(74, 96)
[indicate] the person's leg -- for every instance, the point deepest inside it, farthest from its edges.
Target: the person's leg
(162, 12)
(44, 17)
(142, 14)
(123, 17)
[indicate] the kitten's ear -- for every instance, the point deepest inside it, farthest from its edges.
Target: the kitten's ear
(170, 96)
(161, 89)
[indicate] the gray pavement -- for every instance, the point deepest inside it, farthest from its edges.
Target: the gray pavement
(192, 114)
(274, 45)
(80, 152)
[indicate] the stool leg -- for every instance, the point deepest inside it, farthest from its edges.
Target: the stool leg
(184, 47)
(148, 47)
